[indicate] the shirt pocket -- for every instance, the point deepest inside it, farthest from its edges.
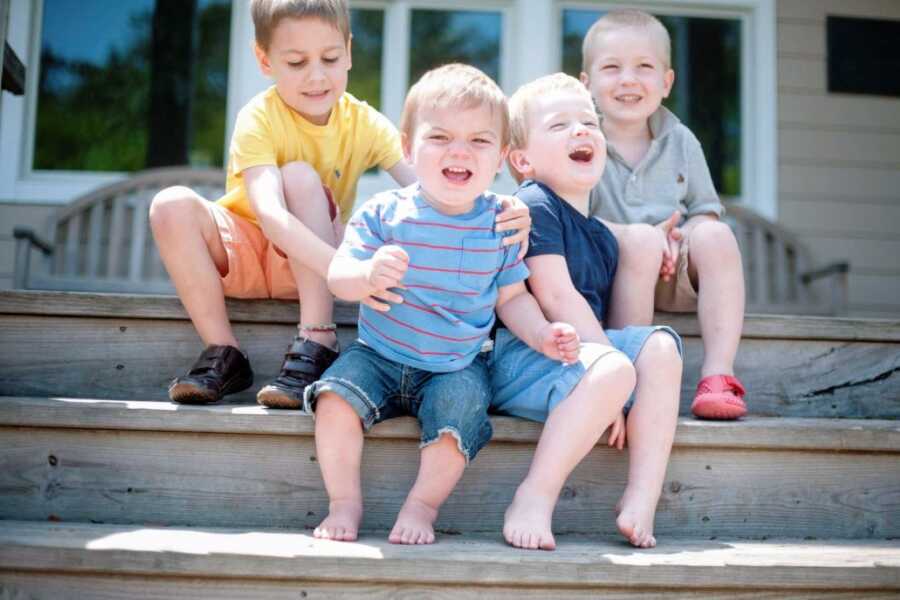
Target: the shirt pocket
(479, 262)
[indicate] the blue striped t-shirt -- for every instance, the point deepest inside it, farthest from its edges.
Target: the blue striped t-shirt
(456, 266)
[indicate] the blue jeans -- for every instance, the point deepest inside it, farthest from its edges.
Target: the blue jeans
(379, 389)
(529, 385)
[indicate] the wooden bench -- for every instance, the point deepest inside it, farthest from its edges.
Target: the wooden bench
(102, 242)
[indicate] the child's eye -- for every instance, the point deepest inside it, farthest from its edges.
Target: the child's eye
(296, 64)
(646, 66)
(330, 59)
(482, 141)
(437, 137)
(591, 124)
(557, 126)
(609, 68)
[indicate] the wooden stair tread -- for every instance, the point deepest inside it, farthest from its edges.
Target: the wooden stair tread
(579, 561)
(752, 432)
(87, 304)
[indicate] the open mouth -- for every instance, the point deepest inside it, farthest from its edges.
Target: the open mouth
(457, 174)
(316, 95)
(629, 98)
(582, 155)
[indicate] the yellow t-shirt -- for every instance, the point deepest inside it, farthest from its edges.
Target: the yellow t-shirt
(269, 132)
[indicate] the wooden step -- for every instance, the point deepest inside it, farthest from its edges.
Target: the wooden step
(232, 465)
(122, 346)
(58, 560)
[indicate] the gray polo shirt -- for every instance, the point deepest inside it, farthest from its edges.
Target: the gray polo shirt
(672, 175)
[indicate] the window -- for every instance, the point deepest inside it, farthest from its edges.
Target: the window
(706, 56)
(365, 77)
(129, 85)
(438, 37)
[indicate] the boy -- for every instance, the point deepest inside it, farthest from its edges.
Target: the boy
(297, 152)
(431, 251)
(656, 168)
(557, 145)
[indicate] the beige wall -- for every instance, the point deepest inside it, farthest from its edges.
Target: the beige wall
(839, 156)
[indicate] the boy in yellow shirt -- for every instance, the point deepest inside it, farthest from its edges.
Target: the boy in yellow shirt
(296, 155)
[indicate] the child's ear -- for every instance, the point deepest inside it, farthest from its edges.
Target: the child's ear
(349, 52)
(519, 161)
(406, 144)
(504, 152)
(262, 59)
(668, 81)
(585, 79)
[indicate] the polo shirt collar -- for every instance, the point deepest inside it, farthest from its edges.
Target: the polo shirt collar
(662, 122)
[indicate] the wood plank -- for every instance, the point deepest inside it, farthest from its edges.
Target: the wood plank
(95, 218)
(760, 284)
(801, 38)
(849, 182)
(132, 415)
(582, 563)
(878, 149)
(115, 251)
(138, 236)
(73, 245)
(801, 73)
(817, 10)
(138, 306)
(53, 586)
(861, 220)
(863, 253)
(874, 113)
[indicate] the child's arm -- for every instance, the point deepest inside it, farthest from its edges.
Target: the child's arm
(516, 218)
(403, 173)
(266, 193)
(521, 314)
(556, 294)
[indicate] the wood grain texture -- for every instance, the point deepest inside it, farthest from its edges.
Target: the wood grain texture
(581, 563)
(124, 358)
(263, 480)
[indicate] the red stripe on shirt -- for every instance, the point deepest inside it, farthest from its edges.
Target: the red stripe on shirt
(405, 345)
(438, 289)
(420, 331)
(440, 270)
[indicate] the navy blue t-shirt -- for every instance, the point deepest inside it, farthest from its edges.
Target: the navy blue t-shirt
(589, 247)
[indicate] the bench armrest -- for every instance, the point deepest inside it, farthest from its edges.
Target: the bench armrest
(26, 233)
(835, 268)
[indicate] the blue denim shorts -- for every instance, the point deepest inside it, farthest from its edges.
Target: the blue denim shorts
(379, 389)
(529, 385)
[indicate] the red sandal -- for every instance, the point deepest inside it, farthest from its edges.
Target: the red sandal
(719, 397)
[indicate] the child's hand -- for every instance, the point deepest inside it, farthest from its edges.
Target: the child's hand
(617, 432)
(560, 341)
(514, 217)
(671, 240)
(385, 270)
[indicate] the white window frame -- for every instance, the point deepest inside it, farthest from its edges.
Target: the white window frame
(530, 47)
(758, 85)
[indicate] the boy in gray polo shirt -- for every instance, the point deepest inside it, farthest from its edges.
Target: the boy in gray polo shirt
(655, 174)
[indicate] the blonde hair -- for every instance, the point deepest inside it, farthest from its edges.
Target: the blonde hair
(458, 86)
(520, 102)
(268, 13)
(626, 18)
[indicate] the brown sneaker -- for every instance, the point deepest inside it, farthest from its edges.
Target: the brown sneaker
(304, 363)
(220, 370)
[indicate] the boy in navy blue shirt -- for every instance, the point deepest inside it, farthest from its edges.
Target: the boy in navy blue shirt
(558, 148)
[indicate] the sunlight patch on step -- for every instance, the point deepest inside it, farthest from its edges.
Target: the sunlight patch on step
(285, 545)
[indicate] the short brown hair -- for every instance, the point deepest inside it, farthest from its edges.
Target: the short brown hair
(520, 102)
(626, 18)
(268, 13)
(459, 86)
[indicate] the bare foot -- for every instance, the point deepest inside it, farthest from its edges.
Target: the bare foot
(415, 524)
(342, 522)
(635, 519)
(528, 519)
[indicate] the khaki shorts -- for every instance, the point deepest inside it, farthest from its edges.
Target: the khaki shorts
(256, 268)
(677, 294)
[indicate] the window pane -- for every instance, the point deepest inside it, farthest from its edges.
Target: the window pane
(438, 37)
(368, 33)
(706, 97)
(132, 84)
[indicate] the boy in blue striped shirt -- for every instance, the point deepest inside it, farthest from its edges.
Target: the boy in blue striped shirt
(431, 253)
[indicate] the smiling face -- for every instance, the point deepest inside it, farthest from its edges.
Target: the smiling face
(309, 61)
(627, 76)
(565, 148)
(455, 152)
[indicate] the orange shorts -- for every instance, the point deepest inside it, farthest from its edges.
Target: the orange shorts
(256, 268)
(677, 294)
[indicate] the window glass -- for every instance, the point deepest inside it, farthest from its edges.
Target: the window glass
(132, 84)
(438, 37)
(706, 95)
(365, 77)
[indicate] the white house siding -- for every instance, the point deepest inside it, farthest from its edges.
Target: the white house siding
(839, 156)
